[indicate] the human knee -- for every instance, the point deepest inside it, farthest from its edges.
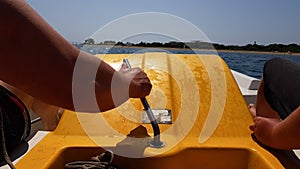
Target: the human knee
(273, 63)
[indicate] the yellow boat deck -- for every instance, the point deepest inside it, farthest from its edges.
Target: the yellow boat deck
(209, 129)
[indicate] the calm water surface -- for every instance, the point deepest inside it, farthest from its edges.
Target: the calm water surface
(250, 64)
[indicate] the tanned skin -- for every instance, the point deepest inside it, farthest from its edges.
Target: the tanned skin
(37, 60)
(269, 129)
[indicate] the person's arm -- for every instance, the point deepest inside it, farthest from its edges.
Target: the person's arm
(37, 60)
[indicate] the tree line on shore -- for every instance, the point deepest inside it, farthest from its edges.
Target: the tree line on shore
(288, 48)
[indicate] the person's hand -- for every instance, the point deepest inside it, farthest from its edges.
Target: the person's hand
(140, 85)
(263, 129)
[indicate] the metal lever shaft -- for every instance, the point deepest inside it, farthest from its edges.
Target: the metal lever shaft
(156, 143)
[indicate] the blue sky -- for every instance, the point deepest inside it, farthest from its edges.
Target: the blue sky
(237, 22)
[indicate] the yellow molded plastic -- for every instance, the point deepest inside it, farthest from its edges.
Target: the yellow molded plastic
(209, 129)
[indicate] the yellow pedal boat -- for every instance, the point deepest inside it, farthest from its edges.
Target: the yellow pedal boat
(210, 122)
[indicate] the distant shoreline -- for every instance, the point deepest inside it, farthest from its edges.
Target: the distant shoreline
(260, 52)
(225, 51)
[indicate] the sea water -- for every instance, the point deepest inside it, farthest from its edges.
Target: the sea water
(250, 64)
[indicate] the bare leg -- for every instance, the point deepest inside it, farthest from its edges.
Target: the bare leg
(26, 99)
(262, 106)
(49, 114)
